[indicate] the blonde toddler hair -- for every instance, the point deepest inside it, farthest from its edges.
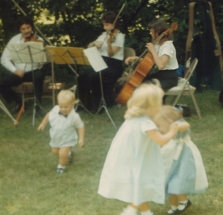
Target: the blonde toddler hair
(66, 95)
(166, 116)
(144, 97)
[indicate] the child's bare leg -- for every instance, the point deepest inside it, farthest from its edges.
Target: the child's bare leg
(181, 197)
(144, 207)
(173, 204)
(173, 200)
(55, 151)
(63, 156)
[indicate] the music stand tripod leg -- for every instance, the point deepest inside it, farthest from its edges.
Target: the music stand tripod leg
(79, 101)
(34, 100)
(34, 90)
(102, 103)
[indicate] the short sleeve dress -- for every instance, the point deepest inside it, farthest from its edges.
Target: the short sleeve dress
(186, 173)
(63, 128)
(133, 171)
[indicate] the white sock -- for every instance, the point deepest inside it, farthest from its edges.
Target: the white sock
(173, 207)
(149, 212)
(130, 210)
(182, 206)
(62, 167)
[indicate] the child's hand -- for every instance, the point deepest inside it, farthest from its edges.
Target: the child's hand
(150, 47)
(174, 127)
(131, 59)
(41, 127)
(80, 142)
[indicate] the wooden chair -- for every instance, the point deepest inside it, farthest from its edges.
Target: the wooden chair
(184, 88)
(3, 107)
(26, 89)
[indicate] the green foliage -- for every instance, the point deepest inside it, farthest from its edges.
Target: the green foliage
(77, 22)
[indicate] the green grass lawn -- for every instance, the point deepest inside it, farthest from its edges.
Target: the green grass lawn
(29, 184)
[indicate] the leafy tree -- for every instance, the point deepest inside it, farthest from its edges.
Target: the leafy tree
(77, 22)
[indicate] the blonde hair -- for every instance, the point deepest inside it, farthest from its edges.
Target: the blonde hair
(66, 95)
(166, 116)
(144, 97)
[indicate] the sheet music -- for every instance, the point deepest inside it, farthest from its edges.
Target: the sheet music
(95, 59)
(29, 52)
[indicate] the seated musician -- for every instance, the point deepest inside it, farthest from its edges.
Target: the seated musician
(21, 72)
(111, 47)
(164, 54)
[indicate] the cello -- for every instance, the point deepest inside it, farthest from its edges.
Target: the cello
(141, 70)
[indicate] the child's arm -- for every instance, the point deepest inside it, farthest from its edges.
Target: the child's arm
(162, 139)
(183, 126)
(43, 123)
(81, 132)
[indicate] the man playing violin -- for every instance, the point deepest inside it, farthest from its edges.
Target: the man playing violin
(21, 72)
(111, 47)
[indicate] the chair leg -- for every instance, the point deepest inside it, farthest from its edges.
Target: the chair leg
(174, 100)
(196, 105)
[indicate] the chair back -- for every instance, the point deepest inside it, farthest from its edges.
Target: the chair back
(191, 69)
(128, 52)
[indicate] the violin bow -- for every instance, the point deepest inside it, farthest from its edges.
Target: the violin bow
(121, 9)
(116, 18)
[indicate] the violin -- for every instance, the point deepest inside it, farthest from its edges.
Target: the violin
(113, 34)
(32, 38)
(141, 70)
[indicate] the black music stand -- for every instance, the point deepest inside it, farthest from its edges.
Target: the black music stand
(28, 53)
(98, 65)
(69, 56)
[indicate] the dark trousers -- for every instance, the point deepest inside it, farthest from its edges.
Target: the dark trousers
(167, 78)
(89, 84)
(12, 80)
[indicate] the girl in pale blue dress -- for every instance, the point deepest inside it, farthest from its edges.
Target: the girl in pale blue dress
(185, 173)
(133, 171)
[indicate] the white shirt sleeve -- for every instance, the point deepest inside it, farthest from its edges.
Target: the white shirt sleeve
(77, 122)
(119, 42)
(7, 62)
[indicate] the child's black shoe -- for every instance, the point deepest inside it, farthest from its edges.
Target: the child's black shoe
(187, 205)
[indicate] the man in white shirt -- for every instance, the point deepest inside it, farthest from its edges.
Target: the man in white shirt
(21, 72)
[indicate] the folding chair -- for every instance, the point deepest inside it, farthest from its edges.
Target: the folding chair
(129, 52)
(2, 106)
(26, 88)
(184, 88)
